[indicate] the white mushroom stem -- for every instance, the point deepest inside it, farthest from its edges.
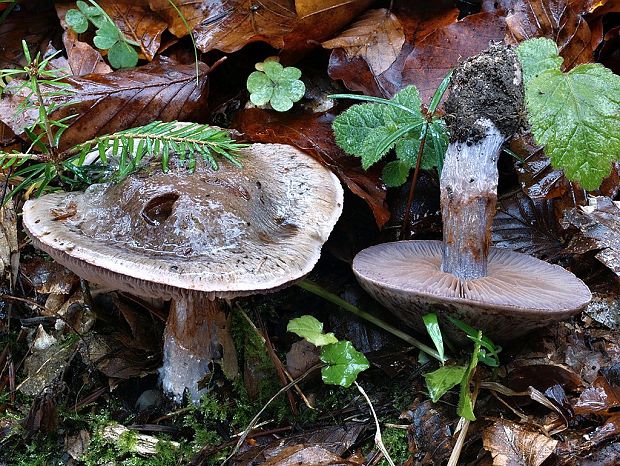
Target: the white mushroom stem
(196, 334)
(468, 197)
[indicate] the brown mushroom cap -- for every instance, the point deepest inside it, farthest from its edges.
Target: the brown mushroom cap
(406, 277)
(229, 232)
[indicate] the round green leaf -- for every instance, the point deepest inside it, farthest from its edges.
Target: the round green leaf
(76, 21)
(344, 363)
(104, 42)
(272, 69)
(294, 90)
(290, 72)
(280, 102)
(262, 95)
(122, 55)
(257, 81)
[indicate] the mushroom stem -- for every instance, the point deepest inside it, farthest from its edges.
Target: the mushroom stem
(196, 334)
(468, 198)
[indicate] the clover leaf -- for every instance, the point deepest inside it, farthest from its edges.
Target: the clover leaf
(276, 85)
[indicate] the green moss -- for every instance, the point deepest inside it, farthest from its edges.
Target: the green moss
(397, 445)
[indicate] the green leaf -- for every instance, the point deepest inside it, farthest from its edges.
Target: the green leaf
(77, 21)
(311, 329)
(122, 55)
(432, 327)
(105, 42)
(395, 173)
(443, 379)
(484, 341)
(276, 85)
(576, 116)
(465, 407)
(344, 363)
(538, 55)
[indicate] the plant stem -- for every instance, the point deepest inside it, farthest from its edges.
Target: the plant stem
(332, 298)
(42, 108)
(414, 182)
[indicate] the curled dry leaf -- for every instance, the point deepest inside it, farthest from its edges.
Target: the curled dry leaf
(513, 444)
(307, 454)
(601, 398)
(82, 59)
(599, 228)
(556, 20)
(311, 132)
(161, 90)
(283, 24)
(377, 37)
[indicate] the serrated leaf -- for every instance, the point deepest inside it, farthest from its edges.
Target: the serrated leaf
(77, 21)
(576, 116)
(432, 328)
(443, 379)
(122, 55)
(395, 173)
(344, 363)
(538, 55)
(311, 329)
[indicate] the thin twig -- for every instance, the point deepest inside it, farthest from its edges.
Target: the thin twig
(378, 438)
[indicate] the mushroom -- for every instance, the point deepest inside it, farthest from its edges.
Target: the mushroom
(195, 238)
(504, 293)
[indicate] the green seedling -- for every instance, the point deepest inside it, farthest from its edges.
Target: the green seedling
(342, 361)
(121, 50)
(372, 129)
(275, 85)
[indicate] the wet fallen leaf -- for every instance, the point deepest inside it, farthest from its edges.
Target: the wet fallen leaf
(528, 226)
(311, 132)
(280, 23)
(512, 444)
(48, 277)
(554, 19)
(43, 415)
(161, 90)
(610, 429)
(600, 398)
(194, 11)
(599, 229)
(542, 377)
(377, 37)
(307, 454)
(44, 366)
(301, 357)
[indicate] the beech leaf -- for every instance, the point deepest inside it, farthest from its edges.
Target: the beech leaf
(511, 443)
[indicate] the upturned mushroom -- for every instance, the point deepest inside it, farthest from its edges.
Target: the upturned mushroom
(195, 238)
(504, 293)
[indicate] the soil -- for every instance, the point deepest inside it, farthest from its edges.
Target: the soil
(489, 85)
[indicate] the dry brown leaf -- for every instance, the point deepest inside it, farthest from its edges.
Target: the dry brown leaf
(377, 37)
(194, 11)
(307, 454)
(138, 23)
(103, 104)
(554, 19)
(512, 444)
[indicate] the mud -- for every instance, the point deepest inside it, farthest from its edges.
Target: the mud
(489, 85)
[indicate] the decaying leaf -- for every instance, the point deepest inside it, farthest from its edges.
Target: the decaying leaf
(601, 398)
(45, 365)
(377, 37)
(311, 132)
(307, 454)
(512, 444)
(161, 90)
(528, 226)
(194, 11)
(556, 20)
(599, 228)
